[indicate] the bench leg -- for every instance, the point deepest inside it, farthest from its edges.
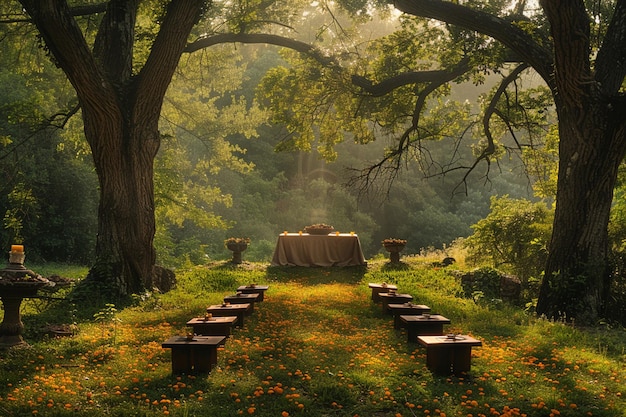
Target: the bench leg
(181, 360)
(449, 360)
(438, 359)
(411, 334)
(462, 360)
(204, 359)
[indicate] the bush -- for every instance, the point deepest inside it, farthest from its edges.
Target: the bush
(513, 237)
(488, 285)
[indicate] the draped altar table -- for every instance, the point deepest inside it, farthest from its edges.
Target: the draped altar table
(294, 249)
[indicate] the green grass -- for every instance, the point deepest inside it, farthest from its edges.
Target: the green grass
(317, 346)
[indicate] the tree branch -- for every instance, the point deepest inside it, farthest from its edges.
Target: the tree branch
(611, 59)
(114, 42)
(296, 45)
(510, 35)
(66, 43)
(569, 25)
(60, 119)
(74, 11)
(492, 108)
(436, 77)
(156, 74)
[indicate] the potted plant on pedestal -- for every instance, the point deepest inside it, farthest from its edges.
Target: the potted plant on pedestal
(394, 247)
(237, 245)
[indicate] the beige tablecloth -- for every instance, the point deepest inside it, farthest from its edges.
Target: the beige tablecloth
(294, 249)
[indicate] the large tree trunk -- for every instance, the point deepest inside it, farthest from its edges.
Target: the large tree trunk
(126, 223)
(577, 273)
(592, 145)
(120, 112)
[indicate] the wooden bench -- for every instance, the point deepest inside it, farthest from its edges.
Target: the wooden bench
(378, 288)
(223, 310)
(254, 289)
(241, 298)
(213, 326)
(387, 298)
(449, 355)
(198, 355)
(406, 308)
(423, 325)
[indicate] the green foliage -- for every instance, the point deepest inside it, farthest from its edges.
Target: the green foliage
(617, 223)
(482, 285)
(204, 279)
(43, 175)
(21, 204)
(524, 110)
(542, 164)
(313, 103)
(616, 304)
(514, 237)
(108, 320)
(187, 176)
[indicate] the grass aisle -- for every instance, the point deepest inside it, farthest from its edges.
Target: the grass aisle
(324, 348)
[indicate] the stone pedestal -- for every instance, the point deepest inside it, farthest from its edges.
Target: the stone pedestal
(394, 252)
(237, 248)
(16, 283)
(11, 328)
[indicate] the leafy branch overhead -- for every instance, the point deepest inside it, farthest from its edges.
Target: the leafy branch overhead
(395, 86)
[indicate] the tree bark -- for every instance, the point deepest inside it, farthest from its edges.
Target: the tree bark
(592, 146)
(121, 113)
(577, 273)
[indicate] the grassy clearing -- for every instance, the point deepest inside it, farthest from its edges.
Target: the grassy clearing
(317, 346)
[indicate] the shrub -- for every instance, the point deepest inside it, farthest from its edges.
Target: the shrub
(488, 285)
(513, 237)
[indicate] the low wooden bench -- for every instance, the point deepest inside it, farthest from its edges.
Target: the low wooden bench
(198, 355)
(378, 288)
(423, 325)
(387, 298)
(254, 289)
(406, 308)
(241, 298)
(449, 355)
(223, 310)
(213, 326)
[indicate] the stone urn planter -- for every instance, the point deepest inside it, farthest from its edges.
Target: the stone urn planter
(237, 245)
(394, 247)
(16, 283)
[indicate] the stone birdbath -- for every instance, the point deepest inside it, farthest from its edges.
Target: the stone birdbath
(16, 283)
(394, 247)
(237, 245)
